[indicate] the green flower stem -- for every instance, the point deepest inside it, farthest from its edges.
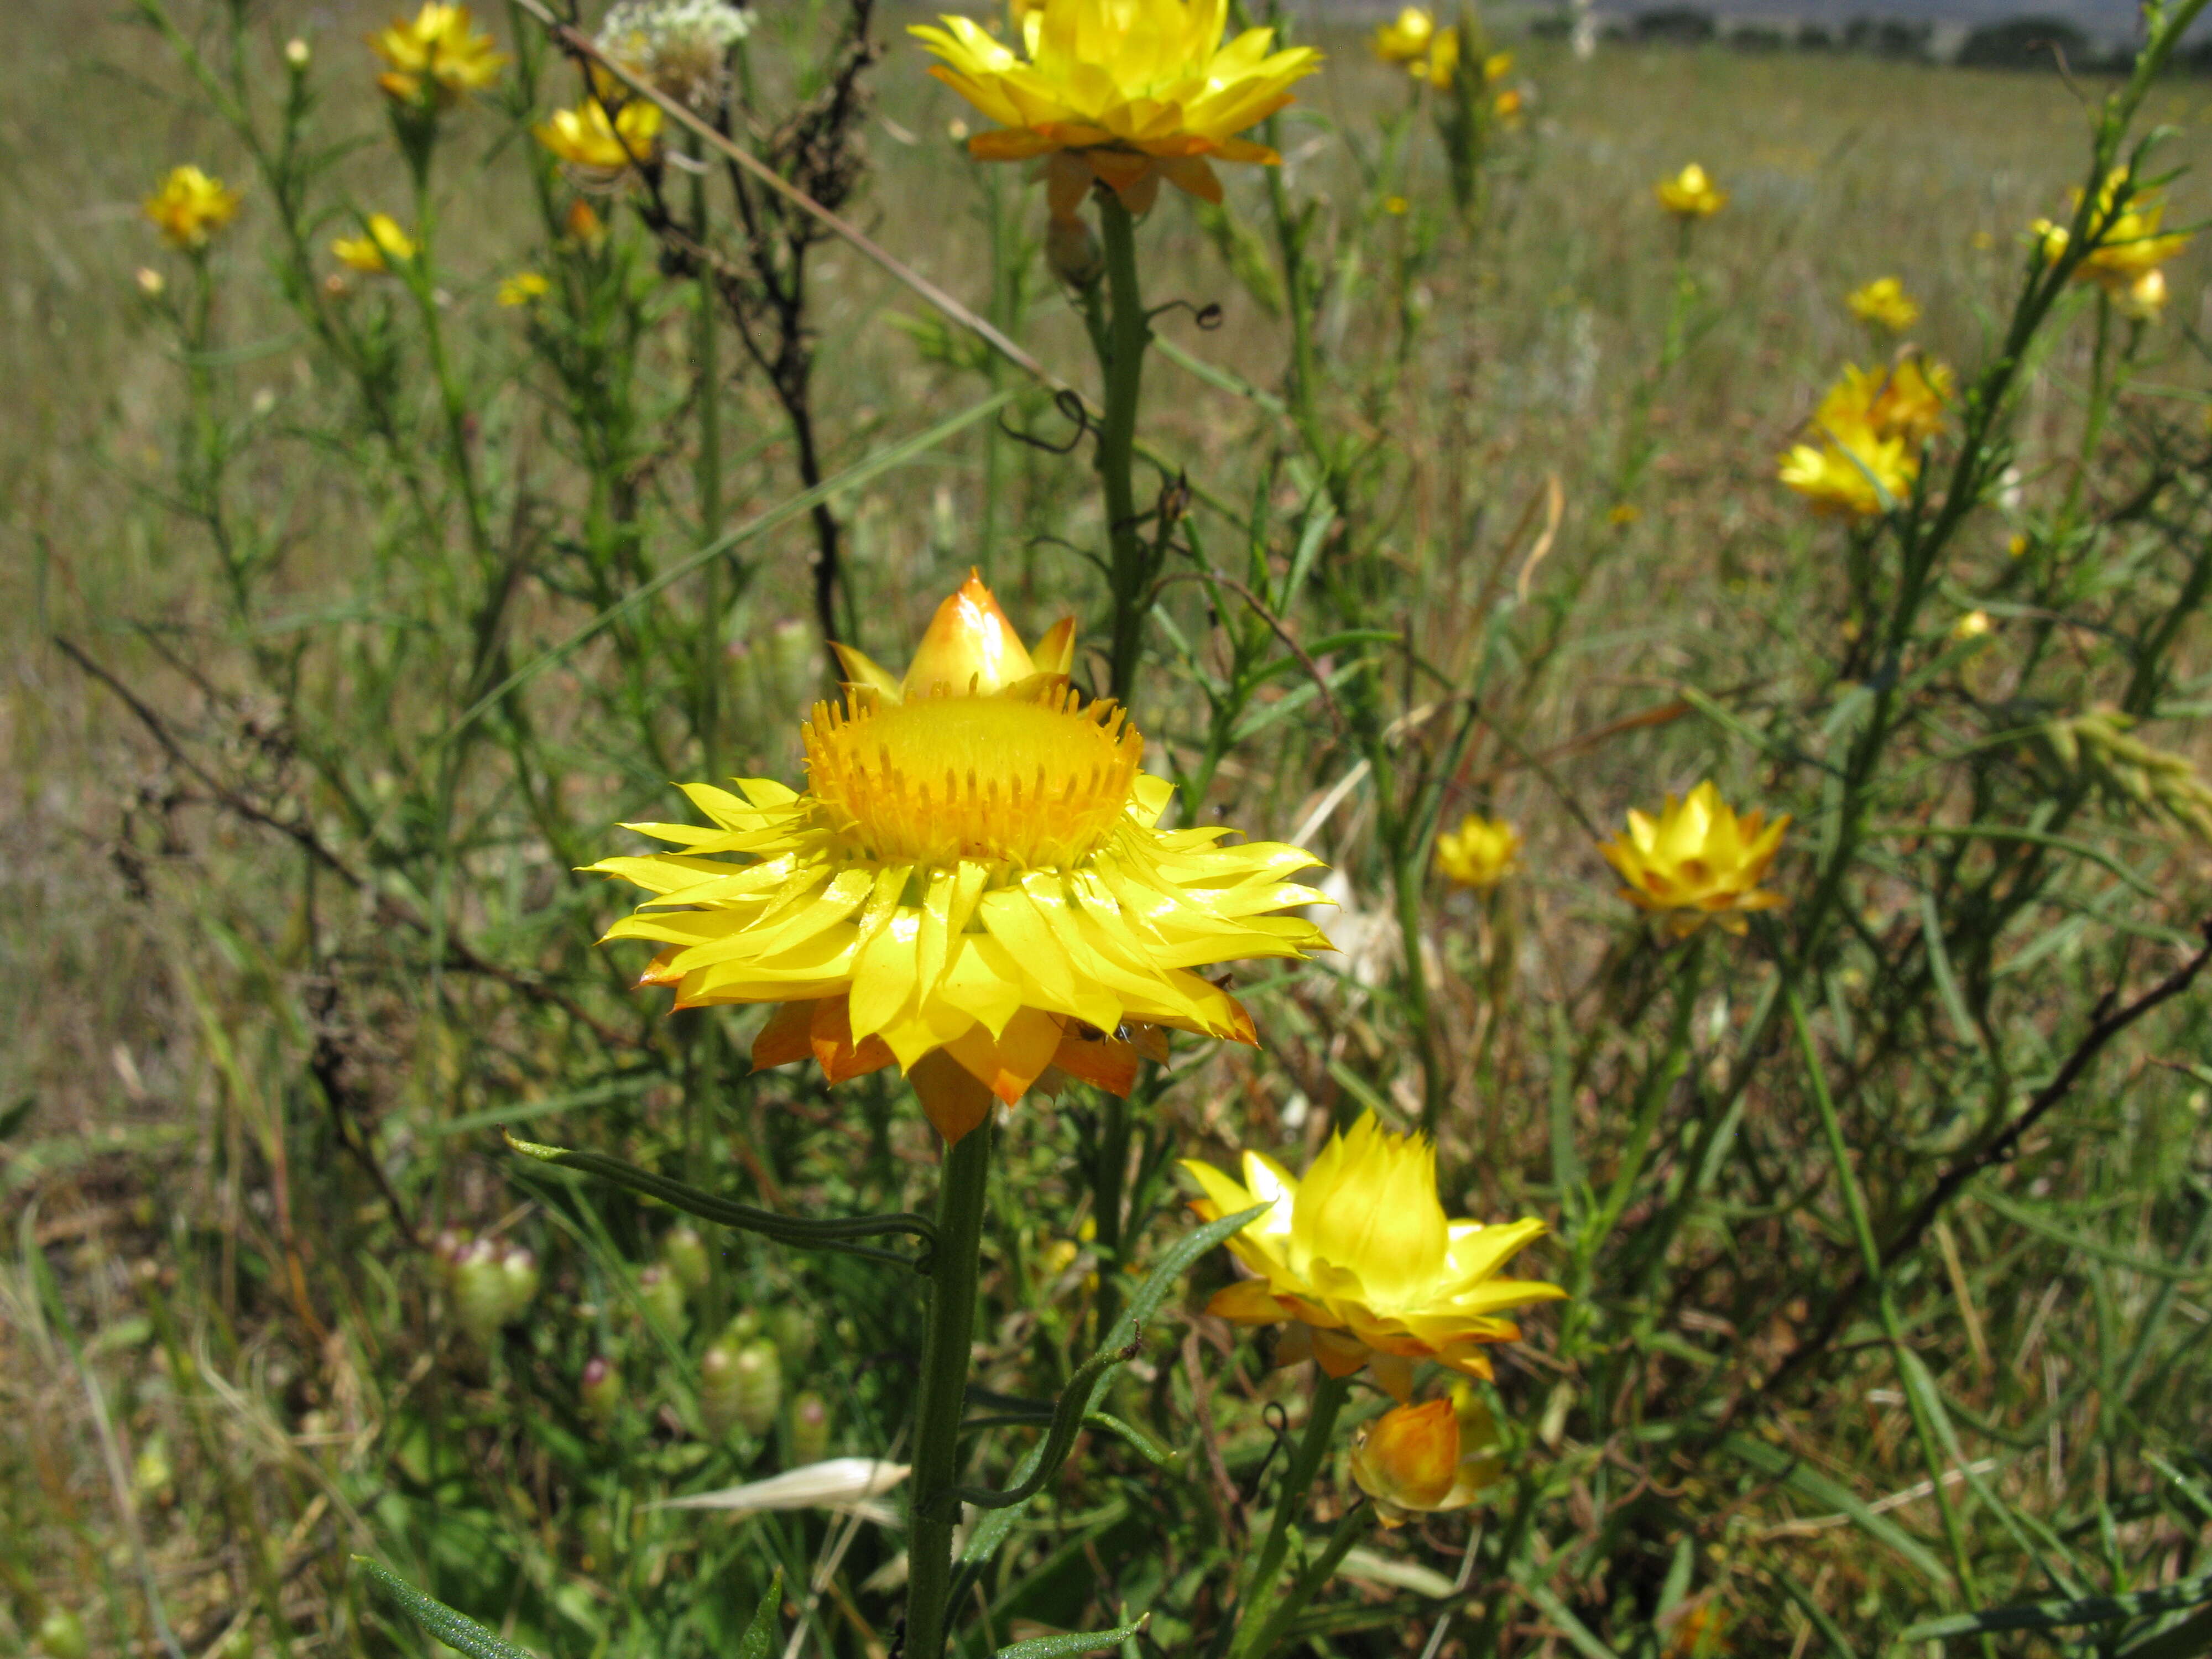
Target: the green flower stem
(1356, 1524)
(935, 1507)
(1108, 1203)
(1120, 345)
(1256, 1617)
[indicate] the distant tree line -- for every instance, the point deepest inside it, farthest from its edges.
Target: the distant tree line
(2015, 43)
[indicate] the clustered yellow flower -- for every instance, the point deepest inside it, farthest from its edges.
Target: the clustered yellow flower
(1426, 1459)
(438, 55)
(2129, 246)
(1430, 54)
(1360, 1262)
(1885, 303)
(1690, 195)
(189, 207)
(374, 250)
(586, 137)
(1481, 852)
(974, 886)
(1124, 92)
(1697, 861)
(1864, 452)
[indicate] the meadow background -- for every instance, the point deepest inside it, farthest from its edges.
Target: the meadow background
(280, 953)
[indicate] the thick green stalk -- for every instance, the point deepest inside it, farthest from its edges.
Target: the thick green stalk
(1256, 1613)
(1122, 357)
(1107, 1204)
(1355, 1524)
(943, 1391)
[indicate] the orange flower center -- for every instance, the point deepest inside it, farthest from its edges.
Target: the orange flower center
(1026, 777)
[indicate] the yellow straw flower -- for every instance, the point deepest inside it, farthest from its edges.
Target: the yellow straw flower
(438, 53)
(1359, 1259)
(189, 207)
(373, 252)
(1440, 63)
(1884, 302)
(1690, 194)
(2129, 247)
(973, 887)
(1851, 472)
(2144, 301)
(522, 288)
(1427, 1458)
(586, 137)
(1907, 401)
(1124, 92)
(1481, 852)
(1973, 626)
(1405, 37)
(1698, 860)
(1509, 106)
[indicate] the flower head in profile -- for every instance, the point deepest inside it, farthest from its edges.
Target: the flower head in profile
(1124, 92)
(973, 887)
(1884, 303)
(1360, 1262)
(1428, 1459)
(1697, 862)
(189, 207)
(1690, 195)
(382, 242)
(1405, 37)
(2130, 239)
(586, 137)
(1481, 852)
(439, 56)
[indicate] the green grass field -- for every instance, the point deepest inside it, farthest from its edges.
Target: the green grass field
(343, 621)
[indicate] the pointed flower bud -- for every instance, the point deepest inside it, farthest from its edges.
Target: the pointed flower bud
(1420, 1460)
(685, 1253)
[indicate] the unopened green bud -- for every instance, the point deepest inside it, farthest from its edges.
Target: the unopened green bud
(1072, 250)
(662, 1296)
(599, 1391)
(61, 1635)
(759, 1380)
(809, 1427)
(792, 1327)
(718, 1387)
(685, 1253)
(518, 1273)
(481, 1292)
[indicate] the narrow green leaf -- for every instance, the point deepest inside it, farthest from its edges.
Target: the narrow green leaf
(760, 1634)
(1800, 1476)
(456, 1629)
(2058, 1615)
(2190, 1640)
(1068, 1647)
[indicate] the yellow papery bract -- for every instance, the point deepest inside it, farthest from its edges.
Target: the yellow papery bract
(586, 137)
(1690, 194)
(1697, 860)
(1359, 1259)
(1123, 92)
(438, 51)
(190, 206)
(1481, 852)
(973, 887)
(1428, 1459)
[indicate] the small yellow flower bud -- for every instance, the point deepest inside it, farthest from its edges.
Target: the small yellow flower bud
(1409, 1456)
(1972, 626)
(296, 52)
(151, 283)
(1396, 206)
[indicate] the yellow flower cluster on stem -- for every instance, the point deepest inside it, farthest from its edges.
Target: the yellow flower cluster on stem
(436, 57)
(1431, 55)
(974, 886)
(1697, 861)
(1360, 1264)
(189, 207)
(2129, 246)
(589, 139)
(1481, 852)
(381, 242)
(1863, 455)
(1124, 92)
(1884, 303)
(1690, 194)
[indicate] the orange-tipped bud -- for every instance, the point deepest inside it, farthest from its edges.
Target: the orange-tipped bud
(971, 646)
(1410, 1457)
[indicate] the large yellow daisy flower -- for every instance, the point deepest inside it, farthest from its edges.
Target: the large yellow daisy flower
(974, 886)
(1126, 92)
(1360, 1260)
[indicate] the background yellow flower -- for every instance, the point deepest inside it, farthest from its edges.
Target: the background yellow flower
(1360, 1260)
(438, 53)
(1690, 194)
(189, 207)
(1124, 92)
(1697, 861)
(585, 137)
(1405, 37)
(1481, 852)
(974, 886)
(1884, 301)
(373, 252)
